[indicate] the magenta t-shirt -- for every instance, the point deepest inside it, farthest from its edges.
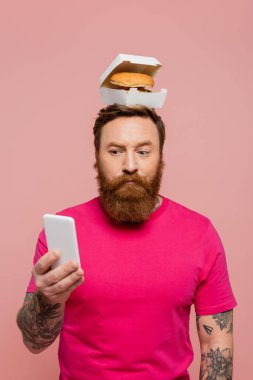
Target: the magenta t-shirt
(129, 320)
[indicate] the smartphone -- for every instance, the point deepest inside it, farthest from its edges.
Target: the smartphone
(61, 235)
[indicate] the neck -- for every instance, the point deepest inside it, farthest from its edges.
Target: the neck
(158, 202)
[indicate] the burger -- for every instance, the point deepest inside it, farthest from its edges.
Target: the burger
(125, 81)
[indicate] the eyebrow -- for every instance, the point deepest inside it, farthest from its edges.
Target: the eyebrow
(113, 143)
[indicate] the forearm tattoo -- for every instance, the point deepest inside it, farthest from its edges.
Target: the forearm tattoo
(216, 364)
(39, 322)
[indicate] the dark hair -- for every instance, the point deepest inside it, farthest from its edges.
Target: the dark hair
(115, 110)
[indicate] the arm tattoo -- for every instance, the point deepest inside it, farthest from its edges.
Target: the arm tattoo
(216, 365)
(197, 321)
(39, 322)
(208, 329)
(224, 320)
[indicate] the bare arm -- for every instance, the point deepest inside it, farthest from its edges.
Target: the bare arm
(41, 316)
(216, 342)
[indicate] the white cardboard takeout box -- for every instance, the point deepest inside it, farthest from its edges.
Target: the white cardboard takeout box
(137, 64)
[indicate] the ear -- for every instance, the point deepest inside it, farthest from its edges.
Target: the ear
(96, 157)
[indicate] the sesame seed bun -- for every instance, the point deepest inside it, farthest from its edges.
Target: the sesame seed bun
(132, 80)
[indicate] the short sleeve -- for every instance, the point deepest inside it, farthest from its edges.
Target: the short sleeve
(40, 250)
(214, 293)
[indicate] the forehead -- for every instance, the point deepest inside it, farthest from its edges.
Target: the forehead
(129, 130)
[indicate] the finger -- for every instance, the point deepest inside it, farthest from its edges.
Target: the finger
(78, 283)
(44, 263)
(65, 283)
(68, 282)
(57, 274)
(56, 297)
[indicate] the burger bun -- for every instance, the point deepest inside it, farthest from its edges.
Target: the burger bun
(127, 80)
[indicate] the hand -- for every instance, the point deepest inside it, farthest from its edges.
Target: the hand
(56, 284)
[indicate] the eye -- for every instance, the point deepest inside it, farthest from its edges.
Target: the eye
(114, 152)
(143, 152)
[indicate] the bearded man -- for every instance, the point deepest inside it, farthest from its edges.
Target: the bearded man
(145, 259)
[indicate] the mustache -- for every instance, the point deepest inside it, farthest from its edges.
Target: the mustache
(123, 179)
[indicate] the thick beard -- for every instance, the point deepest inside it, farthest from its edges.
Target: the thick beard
(129, 202)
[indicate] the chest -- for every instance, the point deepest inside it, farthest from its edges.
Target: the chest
(137, 268)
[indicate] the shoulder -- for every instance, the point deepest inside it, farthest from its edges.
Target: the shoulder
(81, 213)
(80, 209)
(187, 216)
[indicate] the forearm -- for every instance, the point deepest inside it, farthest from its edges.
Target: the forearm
(39, 321)
(216, 362)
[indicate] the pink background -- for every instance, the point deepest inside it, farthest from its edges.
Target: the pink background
(52, 54)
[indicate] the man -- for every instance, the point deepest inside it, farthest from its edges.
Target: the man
(145, 258)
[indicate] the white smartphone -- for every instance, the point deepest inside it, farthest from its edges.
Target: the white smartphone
(61, 235)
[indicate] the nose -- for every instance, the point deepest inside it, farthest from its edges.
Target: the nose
(130, 164)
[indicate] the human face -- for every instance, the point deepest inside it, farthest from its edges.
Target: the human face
(129, 145)
(129, 166)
